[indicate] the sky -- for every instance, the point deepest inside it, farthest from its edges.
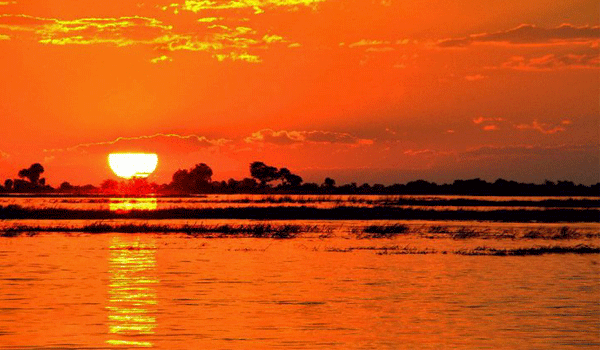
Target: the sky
(377, 91)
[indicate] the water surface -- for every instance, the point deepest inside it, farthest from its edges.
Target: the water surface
(79, 291)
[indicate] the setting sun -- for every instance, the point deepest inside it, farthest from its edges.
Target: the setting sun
(129, 165)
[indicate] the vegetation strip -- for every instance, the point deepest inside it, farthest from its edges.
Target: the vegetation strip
(479, 251)
(306, 213)
(258, 230)
(578, 249)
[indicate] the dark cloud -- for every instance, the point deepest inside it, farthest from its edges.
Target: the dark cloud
(529, 34)
(528, 150)
(553, 62)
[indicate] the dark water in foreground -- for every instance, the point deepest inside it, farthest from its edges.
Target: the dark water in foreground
(81, 291)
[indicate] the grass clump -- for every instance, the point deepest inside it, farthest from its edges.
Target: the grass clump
(438, 229)
(258, 230)
(564, 232)
(465, 232)
(407, 251)
(578, 249)
(384, 231)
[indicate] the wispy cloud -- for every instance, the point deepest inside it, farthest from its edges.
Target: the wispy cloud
(480, 120)
(475, 77)
(543, 127)
(492, 124)
(221, 41)
(284, 137)
(256, 6)
(122, 31)
(171, 143)
(553, 62)
(525, 150)
(366, 42)
(162, 58)
(529, 34)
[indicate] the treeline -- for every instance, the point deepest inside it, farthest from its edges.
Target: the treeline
(265, 179)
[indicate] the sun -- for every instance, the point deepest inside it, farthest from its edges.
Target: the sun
(132, 165)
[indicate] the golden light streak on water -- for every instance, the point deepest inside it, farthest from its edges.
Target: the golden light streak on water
(132, 293)
(128, 204)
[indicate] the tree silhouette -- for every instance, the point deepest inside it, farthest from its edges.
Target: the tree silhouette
(65, 187)
(32, 173)
(195, 180)
(201, 173)
(8, 184)
(263, 172)
(289, 179)
(109, 185)
(328, 183)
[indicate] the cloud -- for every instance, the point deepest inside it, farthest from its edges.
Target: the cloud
(284, 137)
(480, 120)
(4, 155)
(543, 127)
(474, 77)
(221, 41)
(492, 124)
(365, 42)
(162, 58)
(272, 38)
(209, 19)
(529, 34)
(553, 62)
(526, 150)
(157, 143)
(122, 31)
(244, 56)
(257, 6)
(420, 152)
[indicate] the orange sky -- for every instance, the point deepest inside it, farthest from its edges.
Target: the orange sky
(365, 90)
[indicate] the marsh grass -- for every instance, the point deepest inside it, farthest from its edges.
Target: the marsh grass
(578, 249)
(408, 251)
(385, 250)
(466, 232)
(250, 230)
(561, 233)
(478, 251)
(438, 229)
(382, 231)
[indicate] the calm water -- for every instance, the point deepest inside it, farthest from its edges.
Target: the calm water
(325, 289)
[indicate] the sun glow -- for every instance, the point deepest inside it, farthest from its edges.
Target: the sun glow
(130, 165)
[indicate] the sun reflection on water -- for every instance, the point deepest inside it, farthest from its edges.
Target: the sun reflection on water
(128, 204)
(132, 294)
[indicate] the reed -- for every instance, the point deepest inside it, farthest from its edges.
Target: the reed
(466, 232)
(540, 250)
(252, 230)
(561, 233)
(383, 231)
